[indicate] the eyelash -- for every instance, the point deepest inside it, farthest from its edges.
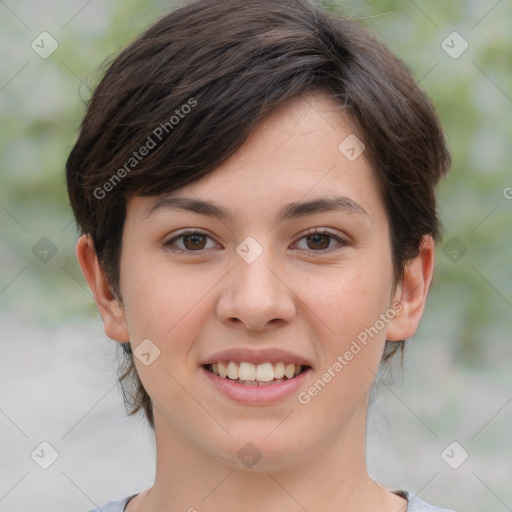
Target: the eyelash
(170, 244)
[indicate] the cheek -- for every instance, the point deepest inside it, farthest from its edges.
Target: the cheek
(169, 306)
(351, 348)
(157, 294)
(349, 301)
(349, 304)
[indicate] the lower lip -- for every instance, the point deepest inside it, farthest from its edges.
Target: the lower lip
(256, 394)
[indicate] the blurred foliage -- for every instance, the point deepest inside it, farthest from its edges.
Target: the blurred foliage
(42, 103)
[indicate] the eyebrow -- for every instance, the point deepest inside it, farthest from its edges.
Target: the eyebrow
(288, 211)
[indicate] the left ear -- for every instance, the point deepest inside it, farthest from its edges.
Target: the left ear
(411, 293)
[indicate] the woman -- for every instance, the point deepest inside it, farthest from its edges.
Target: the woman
(254, 183)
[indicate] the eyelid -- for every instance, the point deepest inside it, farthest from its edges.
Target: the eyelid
(342, 242)
(170, 243)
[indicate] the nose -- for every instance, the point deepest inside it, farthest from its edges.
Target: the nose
(256, 295)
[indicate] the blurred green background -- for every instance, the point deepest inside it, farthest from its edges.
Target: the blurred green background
(469, 311)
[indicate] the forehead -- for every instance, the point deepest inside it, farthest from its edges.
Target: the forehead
(298, 152)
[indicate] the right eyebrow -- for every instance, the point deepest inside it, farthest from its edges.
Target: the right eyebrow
(199, 206)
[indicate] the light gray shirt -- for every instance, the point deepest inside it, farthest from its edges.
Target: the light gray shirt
(415, 504)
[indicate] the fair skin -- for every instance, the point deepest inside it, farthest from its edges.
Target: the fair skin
(310, 296)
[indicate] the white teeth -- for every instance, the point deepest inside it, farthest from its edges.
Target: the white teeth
(247, 371)
(232, 370)
(250, 373)
(279, 370)
(265, 372)
(289, 371)
(223, 371)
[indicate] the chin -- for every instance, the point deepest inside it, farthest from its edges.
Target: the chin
(254, 449)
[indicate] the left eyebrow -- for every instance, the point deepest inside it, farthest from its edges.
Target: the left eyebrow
(324, 204)
(288, 211)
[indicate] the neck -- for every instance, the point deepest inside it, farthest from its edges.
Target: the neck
(330, 478)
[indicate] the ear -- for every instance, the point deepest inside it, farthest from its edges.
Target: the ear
(109, 306)
(411, 293)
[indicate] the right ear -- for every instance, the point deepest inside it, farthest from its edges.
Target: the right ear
(109, 306)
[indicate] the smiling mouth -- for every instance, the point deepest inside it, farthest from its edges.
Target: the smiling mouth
(250, 374)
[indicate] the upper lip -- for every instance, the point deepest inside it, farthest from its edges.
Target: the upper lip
(256, 356)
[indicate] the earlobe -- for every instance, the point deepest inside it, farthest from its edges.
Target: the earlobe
(412, 292)
(109, 306)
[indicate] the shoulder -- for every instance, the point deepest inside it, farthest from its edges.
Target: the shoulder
(416, 504)
(114, 506)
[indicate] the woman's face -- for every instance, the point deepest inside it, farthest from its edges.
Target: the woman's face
(279, 260)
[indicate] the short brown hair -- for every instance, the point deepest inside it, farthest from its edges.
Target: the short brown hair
(231, 62)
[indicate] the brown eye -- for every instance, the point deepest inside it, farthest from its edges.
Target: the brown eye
(319, 241)
(194, 242)
(190, 241)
